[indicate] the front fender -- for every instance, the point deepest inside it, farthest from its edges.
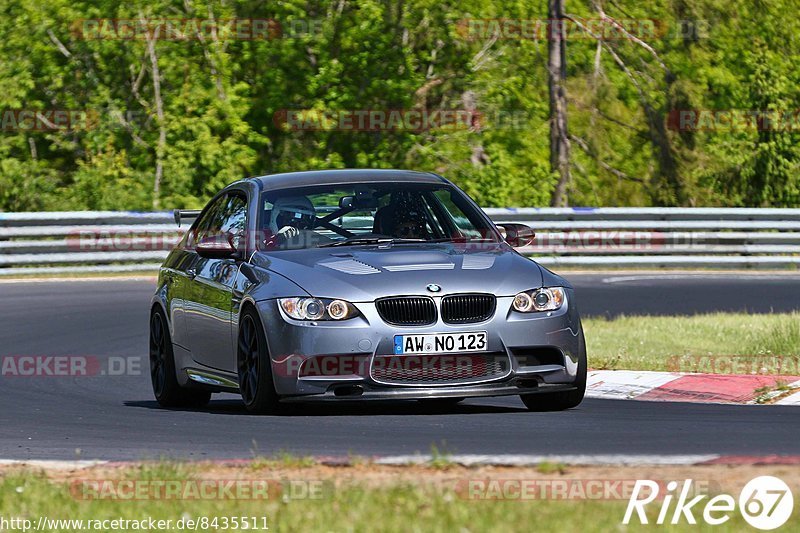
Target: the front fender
(270, 285)
(167, 299)
(551, 279)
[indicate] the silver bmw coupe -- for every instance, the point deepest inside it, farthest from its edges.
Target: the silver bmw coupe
(355, 285)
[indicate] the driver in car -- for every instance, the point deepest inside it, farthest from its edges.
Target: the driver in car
(291, 223)
(409, 225)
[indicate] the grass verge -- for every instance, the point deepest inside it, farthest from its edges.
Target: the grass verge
(771, 342)
(368, 497)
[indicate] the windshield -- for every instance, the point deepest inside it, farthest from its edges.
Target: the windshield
(358, 214)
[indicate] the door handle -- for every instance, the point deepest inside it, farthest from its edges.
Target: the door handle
(191, 272)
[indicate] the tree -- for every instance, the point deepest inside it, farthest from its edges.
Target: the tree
(556, 79)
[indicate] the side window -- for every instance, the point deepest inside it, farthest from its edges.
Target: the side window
(228, 214)
(466, 226)
(207, 224)
(233, 219)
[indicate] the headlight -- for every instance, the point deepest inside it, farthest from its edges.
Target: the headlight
(317, 308)
(338, 309)
(545, 299)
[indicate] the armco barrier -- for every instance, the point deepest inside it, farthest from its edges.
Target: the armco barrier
(114, 241)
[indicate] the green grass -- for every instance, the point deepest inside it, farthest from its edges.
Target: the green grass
(654, 343)
(400, 507)
(551, 468)
(440, 457)
(282, 459)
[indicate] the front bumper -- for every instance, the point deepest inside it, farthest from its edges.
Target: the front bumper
(293, 343)
(507, 388)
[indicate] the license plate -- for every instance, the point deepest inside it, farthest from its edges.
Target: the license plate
(474, 341)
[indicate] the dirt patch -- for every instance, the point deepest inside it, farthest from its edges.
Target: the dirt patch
(718, 478)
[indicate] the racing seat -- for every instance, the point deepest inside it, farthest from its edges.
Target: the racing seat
(383, 223)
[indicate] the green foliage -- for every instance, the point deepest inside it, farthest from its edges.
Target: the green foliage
(222, 101)
(670, 343)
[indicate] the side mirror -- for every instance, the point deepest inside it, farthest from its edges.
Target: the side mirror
(517, 235)
(218, 247)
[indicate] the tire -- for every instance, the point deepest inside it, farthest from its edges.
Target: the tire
(254, 367)
(163, 377)
(560, 401)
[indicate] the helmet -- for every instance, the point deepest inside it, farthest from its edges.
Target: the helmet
(409, 218)
(409, 225)
(295, 211)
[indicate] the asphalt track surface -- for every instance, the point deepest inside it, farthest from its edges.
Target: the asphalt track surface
(115, 417)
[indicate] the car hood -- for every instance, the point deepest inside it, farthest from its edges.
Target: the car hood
(364, 273)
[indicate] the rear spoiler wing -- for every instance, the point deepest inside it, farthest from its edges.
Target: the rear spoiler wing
(181, 214)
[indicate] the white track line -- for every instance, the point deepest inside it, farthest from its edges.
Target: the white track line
(625, 384)
(49, 464)
(461, 459)
(702, 276)
(792, 399)
(73, 280)
(533, 460)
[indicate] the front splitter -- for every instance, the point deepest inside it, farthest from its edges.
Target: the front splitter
(422, 393)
